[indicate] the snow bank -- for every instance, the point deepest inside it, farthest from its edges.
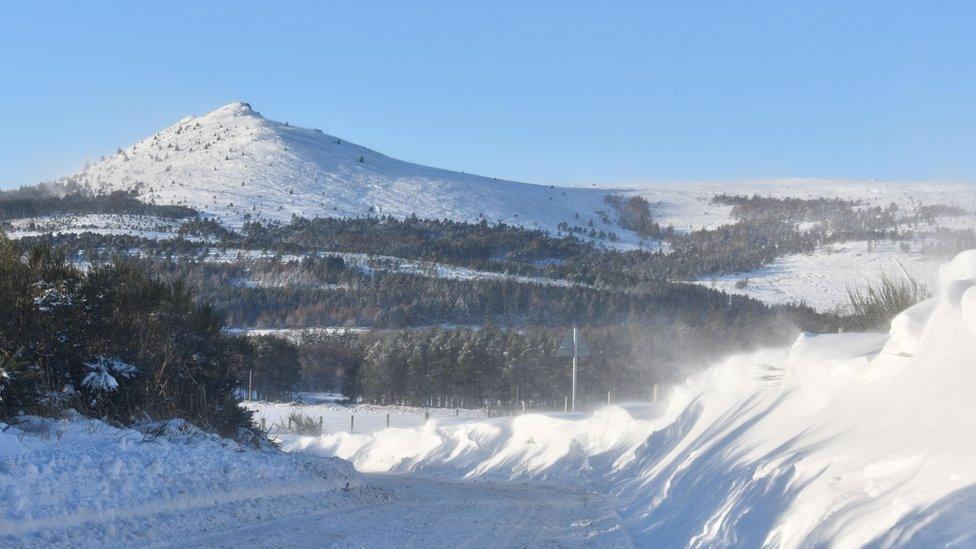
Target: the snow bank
(844, 440)
(80, 481)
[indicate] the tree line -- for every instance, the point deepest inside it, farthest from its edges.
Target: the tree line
(20, 205)
(470, 367)
(113, 343)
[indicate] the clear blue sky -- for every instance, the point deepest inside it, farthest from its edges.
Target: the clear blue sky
(548, 92)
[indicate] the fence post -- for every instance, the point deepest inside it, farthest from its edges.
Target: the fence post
(321, 420)
(565, 404)
(608, 397)
(387, 420)
(352, 423)
(426, 416)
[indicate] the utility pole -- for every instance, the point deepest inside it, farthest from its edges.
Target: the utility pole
(573, 345)
(575, 356)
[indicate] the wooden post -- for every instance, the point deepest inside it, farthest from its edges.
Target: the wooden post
(565, 404)
(352, 423)
(321, 420)
(387, 420)
(426, 416)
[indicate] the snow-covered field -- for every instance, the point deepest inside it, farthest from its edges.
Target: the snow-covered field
(840, 440)
(821, 279)
(688, 205)
(357, 418)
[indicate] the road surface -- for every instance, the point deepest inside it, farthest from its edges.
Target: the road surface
(385, 511)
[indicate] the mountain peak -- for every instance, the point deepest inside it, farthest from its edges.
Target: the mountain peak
(236, 108)
(236, 165)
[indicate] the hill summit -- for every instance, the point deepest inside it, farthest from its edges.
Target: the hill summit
(236, 165)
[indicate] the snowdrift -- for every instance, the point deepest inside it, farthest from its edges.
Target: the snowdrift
(83, 482)
(843, 440)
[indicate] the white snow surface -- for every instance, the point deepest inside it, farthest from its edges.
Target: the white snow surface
(821, 279)
(688, 205)
(235, 164)
(81, 482)
(842, 440)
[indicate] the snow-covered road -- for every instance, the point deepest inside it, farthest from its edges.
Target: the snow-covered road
(410, 511)
(385, 511)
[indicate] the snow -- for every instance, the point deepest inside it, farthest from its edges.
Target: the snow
(821, 279)
(82, 482)
(237, 165)
(688, 205)
(858, 439)
(103, 371)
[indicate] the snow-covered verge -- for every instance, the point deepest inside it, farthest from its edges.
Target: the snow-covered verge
(841, 440)
(82, 482)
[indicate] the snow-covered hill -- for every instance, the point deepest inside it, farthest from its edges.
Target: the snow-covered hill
(688, 205)
(236, 165)
(841, 440)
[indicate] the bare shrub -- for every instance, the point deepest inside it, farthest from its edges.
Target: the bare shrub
(875, 305)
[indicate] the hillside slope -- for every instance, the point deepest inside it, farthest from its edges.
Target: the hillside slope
(237, 165)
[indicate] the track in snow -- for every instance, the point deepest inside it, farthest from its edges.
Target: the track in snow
(386, 511)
